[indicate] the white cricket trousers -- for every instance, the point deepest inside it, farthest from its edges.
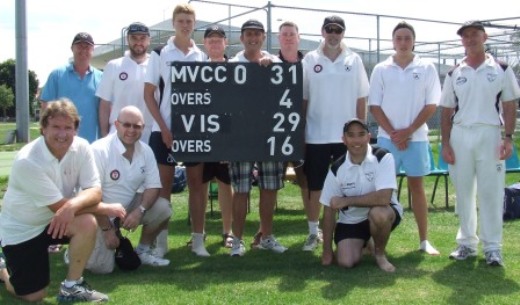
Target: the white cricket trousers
(478, 173)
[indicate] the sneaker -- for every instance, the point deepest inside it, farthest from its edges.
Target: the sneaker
(200, 251)
(256, 240)
(494, 258)
(238, 248)
(427, 248)
(270, 243)
(462, 252)
(80, 292)
(312, 241)
(148, 259)
(158, 252)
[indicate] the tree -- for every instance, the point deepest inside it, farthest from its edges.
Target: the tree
(8, 78)
(6, 98)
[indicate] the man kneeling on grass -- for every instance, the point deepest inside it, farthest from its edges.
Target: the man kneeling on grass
(361, 187)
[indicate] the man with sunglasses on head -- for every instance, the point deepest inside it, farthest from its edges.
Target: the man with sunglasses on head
(130, 177)
(335, 87)
(123, 81)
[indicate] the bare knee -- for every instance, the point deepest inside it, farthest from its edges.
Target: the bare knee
(345, 262)
(84, 224)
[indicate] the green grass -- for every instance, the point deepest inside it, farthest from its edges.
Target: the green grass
(297, 277)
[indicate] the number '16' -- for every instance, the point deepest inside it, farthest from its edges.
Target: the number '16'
(287, 148)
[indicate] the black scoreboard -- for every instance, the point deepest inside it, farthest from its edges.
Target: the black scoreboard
(236, 112)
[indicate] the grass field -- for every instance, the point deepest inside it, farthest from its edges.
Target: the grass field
(297, 277)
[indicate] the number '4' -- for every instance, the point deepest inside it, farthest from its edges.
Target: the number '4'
(285, 101)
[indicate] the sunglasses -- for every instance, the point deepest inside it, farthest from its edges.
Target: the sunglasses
(130, 125)
(330, 30)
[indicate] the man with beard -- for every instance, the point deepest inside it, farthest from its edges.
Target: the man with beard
(335, 87)
(123, 82)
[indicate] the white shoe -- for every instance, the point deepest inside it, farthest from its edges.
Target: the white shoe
(238, 248)
(158, 252)
(148, 259)
(426, 247)
(270, 243)
(312, 241)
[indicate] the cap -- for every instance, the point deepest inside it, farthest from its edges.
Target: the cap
(253, 24)
(334, 20)
(83, 37)
(214, 29)
(138, 28)
(355, 121)
(471, 24)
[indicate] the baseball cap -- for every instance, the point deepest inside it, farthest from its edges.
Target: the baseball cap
(334, 20)
(252, 24)
(355, 121)
(83, 37)
(138, 28)
(471, 24)
(214, 29)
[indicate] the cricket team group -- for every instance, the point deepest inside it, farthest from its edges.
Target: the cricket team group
(104, 160)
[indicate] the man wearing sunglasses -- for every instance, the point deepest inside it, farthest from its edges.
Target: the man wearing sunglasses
(335, 87)
(130, 177)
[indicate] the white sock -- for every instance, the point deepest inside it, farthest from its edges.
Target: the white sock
(313, 227)
(69, 284)
(161, 241)
(142, 248)
(197, 240)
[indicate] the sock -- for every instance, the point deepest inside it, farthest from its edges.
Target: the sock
(69, 284)
(313, 227)
(142, 248)
(197, 240)
(161, 241)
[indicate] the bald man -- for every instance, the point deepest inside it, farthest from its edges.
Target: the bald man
(127, 166)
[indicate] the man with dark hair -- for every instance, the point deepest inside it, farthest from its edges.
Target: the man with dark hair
(53, 189)
(360, 186)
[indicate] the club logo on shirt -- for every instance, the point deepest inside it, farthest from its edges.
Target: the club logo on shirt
(318, 68)
(491, 77)
(461, 80)
(115, 174)
(123, 76)
(499, 167)
(142, 169)
(348, 68)
(369, 176)
(416, 76)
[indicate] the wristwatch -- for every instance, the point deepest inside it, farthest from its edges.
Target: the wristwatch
(142, 209)
(509, 136)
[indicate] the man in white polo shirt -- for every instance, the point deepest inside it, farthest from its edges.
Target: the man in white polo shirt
(360, 186)
(53, 190)
(478, 101)
(125, 166)
(404, 93)
(335, 87)
(123, 82)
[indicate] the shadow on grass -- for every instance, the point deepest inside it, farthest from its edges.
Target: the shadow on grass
(460, 277)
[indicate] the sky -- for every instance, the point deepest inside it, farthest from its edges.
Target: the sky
(52, 24)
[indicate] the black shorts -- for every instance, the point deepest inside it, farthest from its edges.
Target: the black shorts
(318, 158)
(163, 155)
(216, 170)
(28, 263)
(359, 230)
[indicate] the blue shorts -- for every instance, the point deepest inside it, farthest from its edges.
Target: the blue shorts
(414, 161)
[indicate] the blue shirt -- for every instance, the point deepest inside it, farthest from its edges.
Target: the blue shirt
(65, 82)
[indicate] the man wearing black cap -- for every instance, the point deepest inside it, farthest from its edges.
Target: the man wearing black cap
(270, 173)
(360, 186)
(478, 121)
(123, 82)
(335, 87)
(215, 43)
(78, 82)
